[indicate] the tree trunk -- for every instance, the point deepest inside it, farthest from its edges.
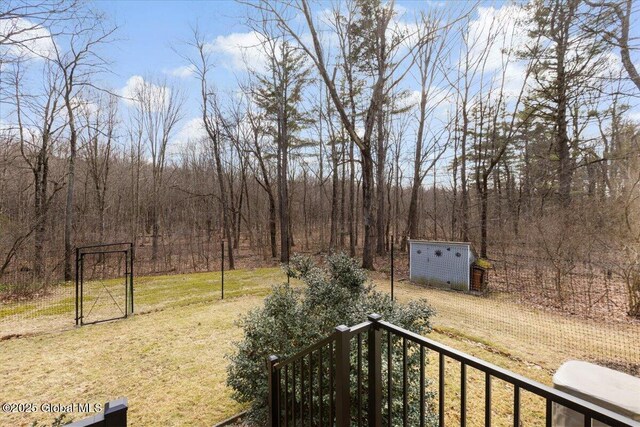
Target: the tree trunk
(41, 176)
(71, 173)
(623, 41)
(283, 195)
(333, 238)
(380, 187)
(367, 204)
(463, 174)
(226, 220)
(564, 169)
(562, 138)
(484, 207)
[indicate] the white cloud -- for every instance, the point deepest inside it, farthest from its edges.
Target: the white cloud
(192, 130)
(514, 76)
(26, 39)
(634, 115)
(182, 72)
(496, 32)
(136, 87)
(241, 51)
(187, 137)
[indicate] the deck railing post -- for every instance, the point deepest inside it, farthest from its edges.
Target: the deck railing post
(343, 395)
(374, 362)
(115, 413)
(274, 391)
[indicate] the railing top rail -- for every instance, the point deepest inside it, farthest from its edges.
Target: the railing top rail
(103, 245)
(360, 327)
(302, 353)
(557, 396)
(107, 252)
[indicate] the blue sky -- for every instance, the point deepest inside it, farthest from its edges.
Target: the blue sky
(150, 32)
(149, 29)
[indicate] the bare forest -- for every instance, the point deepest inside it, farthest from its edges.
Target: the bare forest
(356, 125)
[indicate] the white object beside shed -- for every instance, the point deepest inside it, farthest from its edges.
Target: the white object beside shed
(446, 264)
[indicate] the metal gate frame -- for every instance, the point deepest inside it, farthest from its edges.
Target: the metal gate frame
(125, 248)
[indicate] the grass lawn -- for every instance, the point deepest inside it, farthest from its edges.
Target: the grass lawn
(540, 338)
(56, 310)
(170, 362)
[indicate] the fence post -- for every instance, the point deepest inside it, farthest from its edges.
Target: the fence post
(132, 256)
(343, 383)
(274, 391)
(392, 255)
(77, 284)
(374, 362)
(222, 268)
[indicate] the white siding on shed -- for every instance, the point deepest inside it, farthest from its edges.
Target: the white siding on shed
(446, 264)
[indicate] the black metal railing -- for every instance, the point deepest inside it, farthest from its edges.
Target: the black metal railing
(114, 415)
(355, 377)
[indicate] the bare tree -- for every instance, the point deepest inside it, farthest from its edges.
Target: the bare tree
(385, 74)
(617, 13)
(428, 61)
(36, 146)
(158, 107)
(28, 27)
(263, 175)
(99, 146)
(211, 119)
(78, 63)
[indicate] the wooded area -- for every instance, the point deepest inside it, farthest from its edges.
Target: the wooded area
(514, 128)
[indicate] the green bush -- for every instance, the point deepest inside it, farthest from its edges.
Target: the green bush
(292, 318)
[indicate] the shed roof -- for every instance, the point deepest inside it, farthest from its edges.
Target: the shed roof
(439, 242)
(444, 243)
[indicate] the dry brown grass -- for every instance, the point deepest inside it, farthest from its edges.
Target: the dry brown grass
(169, 364)
(536, 337)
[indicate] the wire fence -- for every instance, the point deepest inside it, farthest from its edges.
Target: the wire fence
(30, 305)
(541, 310)
(538, 309)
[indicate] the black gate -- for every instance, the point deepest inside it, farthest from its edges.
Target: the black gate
(104, 282)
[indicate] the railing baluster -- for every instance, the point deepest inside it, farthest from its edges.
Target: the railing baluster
(463, 394)
(587, 421)
(311, 389)
(441, 390)
(320, 396)
(487, 400)
(359, 374)
(389, 379)
(293, 394)
(516, 406)
(331, 373)
(286, 395)
(302, 391)
(405, 388)
(422, 386)
(549, 413)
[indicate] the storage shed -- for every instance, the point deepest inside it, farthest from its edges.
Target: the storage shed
(446, 264)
